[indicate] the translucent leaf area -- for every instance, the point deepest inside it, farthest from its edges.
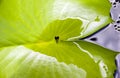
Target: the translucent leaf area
(95, 60)
(20, 62)
(40, 39)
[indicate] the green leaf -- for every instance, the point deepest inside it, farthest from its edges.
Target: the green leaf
(97, 61)
(31, 17)
(62, 28)
(49, 27)
(19, 62)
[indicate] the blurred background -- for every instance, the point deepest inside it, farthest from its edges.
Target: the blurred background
(109, 36)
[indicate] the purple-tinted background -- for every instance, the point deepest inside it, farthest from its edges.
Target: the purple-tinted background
(109, 37)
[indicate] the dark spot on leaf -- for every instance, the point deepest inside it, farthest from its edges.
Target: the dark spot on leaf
(57, 39)
(93, 39)
(105, 68)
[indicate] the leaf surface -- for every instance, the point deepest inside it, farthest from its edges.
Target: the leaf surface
(50, 27)
(31, 17)
(98, 62)
(20, 62)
